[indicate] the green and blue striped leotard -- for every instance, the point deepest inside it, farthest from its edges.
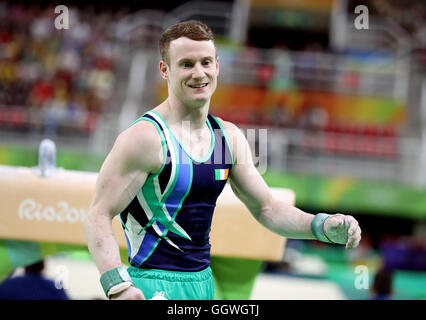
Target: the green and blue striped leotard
(167, 225)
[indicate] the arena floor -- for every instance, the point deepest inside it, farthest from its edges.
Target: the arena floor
(80, 278)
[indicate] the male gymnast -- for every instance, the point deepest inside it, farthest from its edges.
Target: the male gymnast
(164, 174)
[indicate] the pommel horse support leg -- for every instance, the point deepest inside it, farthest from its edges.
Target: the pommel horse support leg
(240, 244)
(44, 209)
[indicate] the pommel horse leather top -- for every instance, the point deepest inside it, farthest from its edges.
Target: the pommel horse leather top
(52, 209)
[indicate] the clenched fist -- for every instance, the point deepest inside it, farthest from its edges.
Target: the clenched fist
(343, 229)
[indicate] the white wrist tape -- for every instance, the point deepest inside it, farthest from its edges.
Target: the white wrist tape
(113, 277)
(119, 288)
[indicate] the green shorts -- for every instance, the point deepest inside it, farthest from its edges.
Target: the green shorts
(174, 285)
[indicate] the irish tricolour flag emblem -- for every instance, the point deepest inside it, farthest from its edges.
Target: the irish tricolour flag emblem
(221, 174)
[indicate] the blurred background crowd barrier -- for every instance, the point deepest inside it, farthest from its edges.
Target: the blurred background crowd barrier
(344, 107)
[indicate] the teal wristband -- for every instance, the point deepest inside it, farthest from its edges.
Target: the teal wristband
(113, 277)
(317, 227)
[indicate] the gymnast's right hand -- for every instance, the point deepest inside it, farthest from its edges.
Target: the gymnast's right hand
(131, 293)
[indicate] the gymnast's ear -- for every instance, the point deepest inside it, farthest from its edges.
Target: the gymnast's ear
(164, 70)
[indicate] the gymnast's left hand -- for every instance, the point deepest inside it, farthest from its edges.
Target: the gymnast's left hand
(343, 229)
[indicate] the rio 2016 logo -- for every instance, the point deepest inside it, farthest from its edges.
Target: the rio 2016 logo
(29, 209)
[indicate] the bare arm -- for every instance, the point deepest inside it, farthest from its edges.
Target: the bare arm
(273, 213)
(251, 189)
(122, 174)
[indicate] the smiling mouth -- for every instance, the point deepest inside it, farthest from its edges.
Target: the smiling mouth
(197, 86)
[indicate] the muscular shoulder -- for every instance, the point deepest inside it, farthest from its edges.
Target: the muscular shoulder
(238, 141)
(230, 128)
(140, 146)
(234, 133)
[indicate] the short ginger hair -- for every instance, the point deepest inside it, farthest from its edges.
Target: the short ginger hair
(192, 29)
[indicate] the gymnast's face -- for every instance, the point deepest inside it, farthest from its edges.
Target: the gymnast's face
(191, 71)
